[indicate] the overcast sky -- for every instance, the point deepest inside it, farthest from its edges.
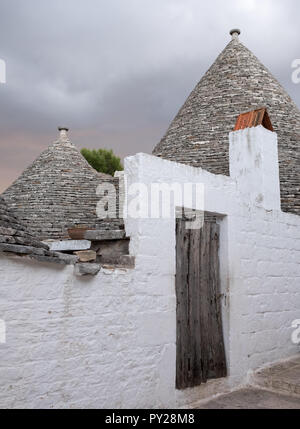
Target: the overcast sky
(117, 71)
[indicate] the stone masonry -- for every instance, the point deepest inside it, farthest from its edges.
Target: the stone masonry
(17, 239)
(59, 191)
(12, 232)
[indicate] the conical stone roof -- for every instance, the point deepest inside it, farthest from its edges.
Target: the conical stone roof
(16, 238)
(236, 83)
(57, 192)
(13, 234)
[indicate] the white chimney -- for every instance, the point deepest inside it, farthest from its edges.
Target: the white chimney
(63, 133)
(254, 165)
(235, 33)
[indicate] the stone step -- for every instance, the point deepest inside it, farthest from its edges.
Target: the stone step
(283, 377)
(249, 398)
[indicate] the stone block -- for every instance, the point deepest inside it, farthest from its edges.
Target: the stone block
(67, 259)
(24, 250)
(69, 245)
(98, 235)
(124, 261)
(86, 255)
(86, 269)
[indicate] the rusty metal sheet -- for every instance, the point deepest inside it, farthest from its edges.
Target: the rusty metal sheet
(254, 119)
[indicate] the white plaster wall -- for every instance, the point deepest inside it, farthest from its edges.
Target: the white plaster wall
(83, 343)
(110, 341)
(261, 247)
(265, 293)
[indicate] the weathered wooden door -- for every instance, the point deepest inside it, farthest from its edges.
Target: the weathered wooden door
(200, 344)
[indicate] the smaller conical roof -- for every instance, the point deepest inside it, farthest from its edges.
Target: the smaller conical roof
(14, 233)
(16, 238)
(57, 192)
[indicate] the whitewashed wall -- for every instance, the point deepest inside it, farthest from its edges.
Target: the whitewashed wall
(110, 341)
(73, 342)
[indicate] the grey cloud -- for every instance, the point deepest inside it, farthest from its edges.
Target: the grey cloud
(117, 71)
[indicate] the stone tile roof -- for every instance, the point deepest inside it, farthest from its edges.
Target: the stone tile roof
(16, 238)
(236, 83)
(57, 192)
(13, 232)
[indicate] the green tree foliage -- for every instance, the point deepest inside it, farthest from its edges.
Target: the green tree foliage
(102, 160)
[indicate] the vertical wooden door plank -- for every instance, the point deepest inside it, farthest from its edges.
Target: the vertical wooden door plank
(218, 348)
(195, 307)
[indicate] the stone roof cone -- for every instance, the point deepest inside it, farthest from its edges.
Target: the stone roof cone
(236, 83)
(13, 233)
(17, 239)
(56, 192)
